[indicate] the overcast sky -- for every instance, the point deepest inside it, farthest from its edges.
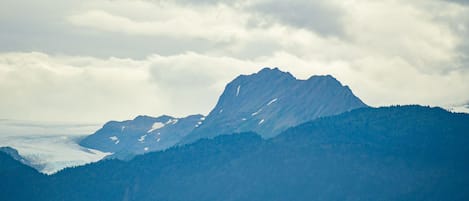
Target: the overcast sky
(86, 62)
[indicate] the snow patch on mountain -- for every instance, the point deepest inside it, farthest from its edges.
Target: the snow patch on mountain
(172, 121)
(142, 138)
(156, 125)
(115, 139)
(261, 121)
(257, 112)
(272, 101)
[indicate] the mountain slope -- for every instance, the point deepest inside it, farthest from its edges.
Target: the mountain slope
(140, 135)
(15, 155)
(271, 101)
(392, 153)
(17, 180)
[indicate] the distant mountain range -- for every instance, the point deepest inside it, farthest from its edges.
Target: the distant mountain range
(270, 137)
(390, 153)
(267, 102)
(141, 135)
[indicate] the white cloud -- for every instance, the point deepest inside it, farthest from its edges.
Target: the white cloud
(216, 23)
(389, 52)
(37, 86)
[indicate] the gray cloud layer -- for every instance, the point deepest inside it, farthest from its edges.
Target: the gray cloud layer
(459, 1)
(318, 16)
(91, 61)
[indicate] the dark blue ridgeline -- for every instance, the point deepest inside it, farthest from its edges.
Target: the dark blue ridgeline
(391, 153)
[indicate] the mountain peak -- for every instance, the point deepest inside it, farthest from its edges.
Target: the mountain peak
(266, 74)
(270, 70)
(141, 135)
(326, 82)
(142, 118)
(273, 72)
(270, 101)
(146, 117)
(323, 77)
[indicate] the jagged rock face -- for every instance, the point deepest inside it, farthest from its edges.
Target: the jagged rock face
(271, 101)
(142, 134)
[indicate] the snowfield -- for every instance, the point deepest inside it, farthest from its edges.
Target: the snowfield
(52, 153)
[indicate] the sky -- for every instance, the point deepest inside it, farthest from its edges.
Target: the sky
(69, 67)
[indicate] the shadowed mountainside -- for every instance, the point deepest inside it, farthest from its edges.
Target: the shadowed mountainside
(390, 153)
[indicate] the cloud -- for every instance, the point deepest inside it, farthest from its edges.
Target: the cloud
(217, 23)
(464, 2)
(192, 82)
(59, 88)
(47, 28)
(319, 16)
(92, 61)
(21, 128)
(85, 89)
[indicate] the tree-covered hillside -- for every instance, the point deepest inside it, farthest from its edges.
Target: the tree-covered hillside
(390, 153)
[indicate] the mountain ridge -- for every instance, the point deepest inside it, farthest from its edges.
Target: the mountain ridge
(266, 102)
(386, 153)
(142, 134)
(270, 101)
